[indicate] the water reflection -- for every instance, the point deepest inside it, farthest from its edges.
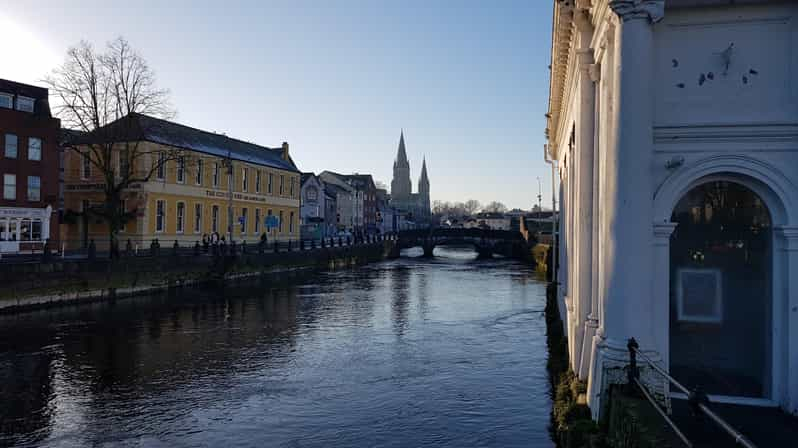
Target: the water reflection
(439, 352)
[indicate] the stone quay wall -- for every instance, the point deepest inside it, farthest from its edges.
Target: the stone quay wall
(63, 281)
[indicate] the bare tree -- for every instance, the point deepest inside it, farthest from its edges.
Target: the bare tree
(95, 93)
(472, 206)
(495, 207)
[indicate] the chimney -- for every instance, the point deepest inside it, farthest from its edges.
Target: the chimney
(285, 151)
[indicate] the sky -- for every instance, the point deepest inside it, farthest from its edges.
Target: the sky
(466, 80)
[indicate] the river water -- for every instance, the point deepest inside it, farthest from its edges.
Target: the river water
(442, 352)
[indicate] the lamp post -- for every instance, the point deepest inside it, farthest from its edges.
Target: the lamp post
(228, 163)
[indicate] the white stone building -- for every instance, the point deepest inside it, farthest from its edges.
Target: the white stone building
(674, 128)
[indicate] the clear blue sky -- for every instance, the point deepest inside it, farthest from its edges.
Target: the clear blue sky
(467, 80)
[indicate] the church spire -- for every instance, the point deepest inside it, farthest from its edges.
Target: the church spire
(401, 155)
(423, 181)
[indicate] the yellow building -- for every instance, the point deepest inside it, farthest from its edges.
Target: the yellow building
(187, 194)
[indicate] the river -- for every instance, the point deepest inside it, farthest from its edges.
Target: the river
(442, 352)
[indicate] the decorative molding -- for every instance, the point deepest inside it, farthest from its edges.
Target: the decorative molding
(775, 132)
(594, 71)
(663, 232)
(653, 10)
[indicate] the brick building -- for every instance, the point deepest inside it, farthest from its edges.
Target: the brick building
(30, 168)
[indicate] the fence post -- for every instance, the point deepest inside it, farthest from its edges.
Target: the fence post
(634, 372)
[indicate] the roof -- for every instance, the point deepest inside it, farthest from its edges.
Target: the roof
(306, 177)
(40, 107)
(359, 181)
(137, 126)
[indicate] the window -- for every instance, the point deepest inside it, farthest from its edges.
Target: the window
(181, 169)
(11, 146)
(291, 191)
(197, 218)
(34, 148)
(243, 179)
(215, 177)
(34, 188)
(282, 181)
(243, 220)
(198, 180)
(36, 230)
(160, 172)
(281, 221)
(270, 183)
(181, 216)
(215, 218)
(85, 166)
(257, 221)
(257, 181)
(312, 194)
(10, 186)
(124, 163)
(6, 101)
(291, 223)
(25, 104)
(160, 215)
(25, 230)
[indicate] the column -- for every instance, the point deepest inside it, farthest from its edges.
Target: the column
(628, 293)
(584, 222)
(785, 334)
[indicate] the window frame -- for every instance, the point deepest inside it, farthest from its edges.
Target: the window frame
(160, 168)
(6, 184)
(291, 223)
(30, 141)
(244, 213)
(214, 218)
(215, 175)
(257, 221)
(244, 179)
(180, 170)
(717, 313)
(180, 217)
(160, 206)
(198, 178)
(271, 183)
(123, 208)
(8, 138)
(38, 189)
(10, 99)
(282, 184)
(257, 181)
(198, 217)
(25, 100)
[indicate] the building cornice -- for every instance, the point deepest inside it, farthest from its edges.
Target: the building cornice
(653, 10)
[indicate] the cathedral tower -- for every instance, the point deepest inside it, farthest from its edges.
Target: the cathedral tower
(401, 187)
(423, 189)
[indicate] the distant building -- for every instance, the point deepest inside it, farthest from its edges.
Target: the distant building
(330, 208)
(344, 200)
(494, 221)
(386, 216)
(412, 207)
(187, 197)
(312, 208)
(364, 199)
(30, 167)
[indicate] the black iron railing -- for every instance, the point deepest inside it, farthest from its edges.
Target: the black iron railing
(698, 400)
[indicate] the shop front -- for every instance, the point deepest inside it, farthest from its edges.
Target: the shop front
(24, 230)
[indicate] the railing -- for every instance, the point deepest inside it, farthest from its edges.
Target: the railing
(697, 399)
(157, 248)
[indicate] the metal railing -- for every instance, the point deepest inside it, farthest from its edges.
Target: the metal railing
(696, 398)
(166, 248)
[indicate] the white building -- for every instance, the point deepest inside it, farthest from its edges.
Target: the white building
(345, 200)
(674, 129)
(312, 207)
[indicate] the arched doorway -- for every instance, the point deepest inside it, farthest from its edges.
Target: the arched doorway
(720, 291)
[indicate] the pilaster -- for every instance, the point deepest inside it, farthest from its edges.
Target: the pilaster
(629, 258)
(786, 330)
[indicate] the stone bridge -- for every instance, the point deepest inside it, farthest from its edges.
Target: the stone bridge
(486, 242)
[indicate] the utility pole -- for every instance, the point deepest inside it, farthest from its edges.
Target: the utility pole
(540, 198)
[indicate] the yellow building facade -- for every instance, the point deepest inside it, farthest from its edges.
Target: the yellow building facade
(187, 196)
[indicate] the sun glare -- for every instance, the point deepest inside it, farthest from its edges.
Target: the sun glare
(27, 58)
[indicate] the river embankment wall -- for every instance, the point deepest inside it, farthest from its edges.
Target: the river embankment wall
(39, 284)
